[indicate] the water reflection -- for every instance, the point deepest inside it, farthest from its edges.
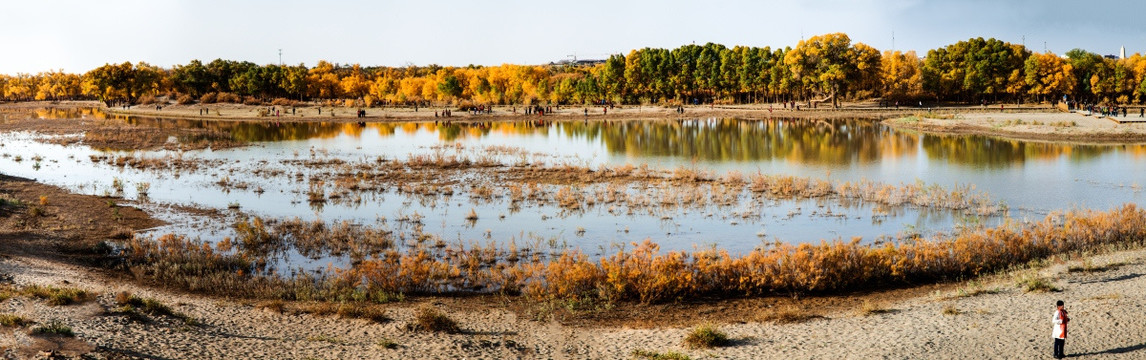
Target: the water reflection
(825, 142)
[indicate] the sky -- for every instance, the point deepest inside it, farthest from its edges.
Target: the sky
(79, 35)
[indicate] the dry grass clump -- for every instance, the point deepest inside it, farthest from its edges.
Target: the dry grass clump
(184, 99)
(1088, 266)
(54, 328)
(58, 295)
(652, 355)
(13, 320)
(130, 303)
(869, 308)
(346, 310)
(788, 315)
(148, 100)
(388, 344)
(1032, 282)
(429, 318)
(951, 310)
(705, 336)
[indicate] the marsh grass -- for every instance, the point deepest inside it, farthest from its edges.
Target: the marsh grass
(638, 272)
(869, 308)
(705, 336)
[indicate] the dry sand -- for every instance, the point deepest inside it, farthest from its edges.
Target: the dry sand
(1045, 126)
(1107, 310)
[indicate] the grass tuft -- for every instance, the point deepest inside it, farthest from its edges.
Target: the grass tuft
(872, 308)
(1089, 267)
(706, 336)
(951, 310)
(429, 318)
(54, 328)
(651, 355)
(58, 296)
(130, 303)
(788, 315)
(1035, 283)
(13, 320)
(388, 344)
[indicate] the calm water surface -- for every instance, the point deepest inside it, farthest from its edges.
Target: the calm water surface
(1032, 178)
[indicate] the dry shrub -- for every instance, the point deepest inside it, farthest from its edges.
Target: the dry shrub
(209, 98)
(705, 337)
(251, 100)
(184, 100)
(232, 98)
(148, 100)
(429, 318)
(283, 102)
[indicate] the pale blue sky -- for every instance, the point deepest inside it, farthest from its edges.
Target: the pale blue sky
(80, 35)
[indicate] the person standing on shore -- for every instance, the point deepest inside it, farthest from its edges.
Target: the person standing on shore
(1060, 320)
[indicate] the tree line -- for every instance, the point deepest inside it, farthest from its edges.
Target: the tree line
(827, 67)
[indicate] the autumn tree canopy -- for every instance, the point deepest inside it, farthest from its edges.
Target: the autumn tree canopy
(827, 66)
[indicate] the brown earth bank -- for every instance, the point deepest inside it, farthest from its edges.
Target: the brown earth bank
(49, 237)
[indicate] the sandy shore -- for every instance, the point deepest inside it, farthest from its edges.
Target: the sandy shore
(1032, 122)
(1106, 309)
(1041, 126)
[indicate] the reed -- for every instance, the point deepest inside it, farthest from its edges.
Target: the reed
(638, 272)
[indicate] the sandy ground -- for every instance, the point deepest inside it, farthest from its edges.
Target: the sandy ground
(1049, 126)
(1106, 310)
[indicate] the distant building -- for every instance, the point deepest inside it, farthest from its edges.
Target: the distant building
(1122, 53)
(578, 62)
(1112, 57)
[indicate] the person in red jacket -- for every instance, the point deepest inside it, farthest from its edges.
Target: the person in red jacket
(1060, 320)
